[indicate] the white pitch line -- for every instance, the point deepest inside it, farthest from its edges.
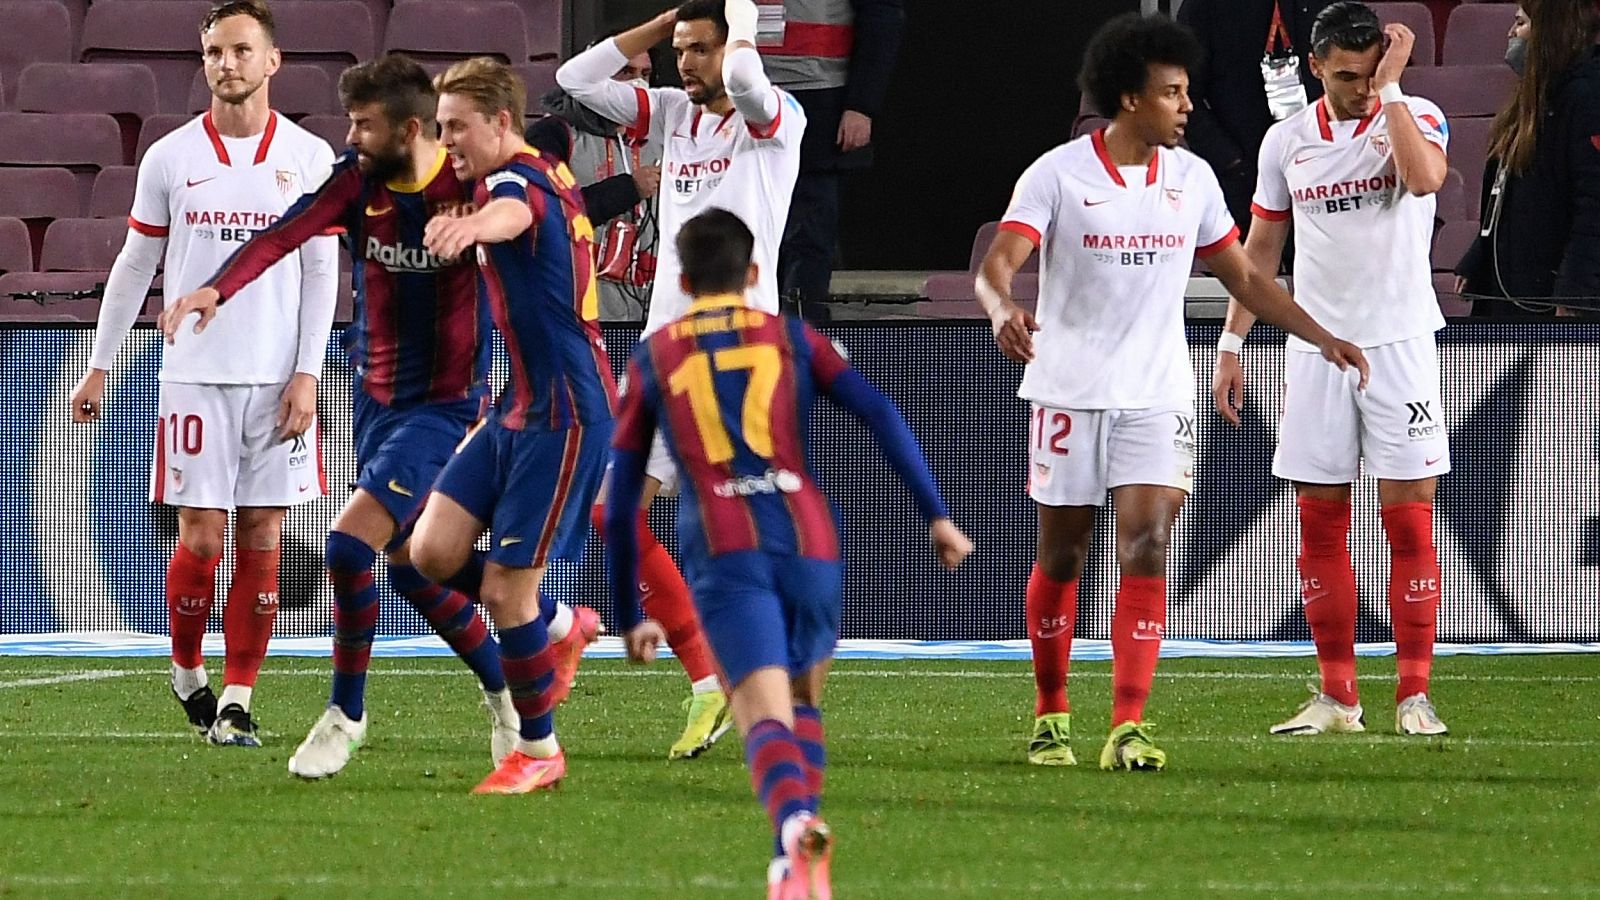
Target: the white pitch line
(45, 679)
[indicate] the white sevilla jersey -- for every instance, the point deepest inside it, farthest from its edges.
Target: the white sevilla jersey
(1362, 241)
(1115, 251)
(723, 162)
(207, 194)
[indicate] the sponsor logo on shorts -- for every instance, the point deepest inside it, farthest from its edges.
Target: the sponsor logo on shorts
(1183, 439)
(299, 456)
(772, 481)
(1421, 426)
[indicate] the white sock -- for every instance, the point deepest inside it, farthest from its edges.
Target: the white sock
(543, 748)
(186, 681)
(706, 685)
(778, 869)
(235, 693)
(560, 623)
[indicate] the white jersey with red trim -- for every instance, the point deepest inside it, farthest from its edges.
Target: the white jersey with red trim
(1362, 241)
(206, 195)
(1115, 251)
(724, 162)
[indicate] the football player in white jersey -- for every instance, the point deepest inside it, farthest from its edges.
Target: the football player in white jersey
(1355, 175)
(1118, 218)
(237, 407)
(730, 140)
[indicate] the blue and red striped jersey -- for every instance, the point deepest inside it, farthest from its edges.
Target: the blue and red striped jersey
(540, 288)
(420, 330)
(732, 388)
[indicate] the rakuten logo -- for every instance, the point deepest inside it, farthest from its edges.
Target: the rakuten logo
(397, 258)
(773, 481)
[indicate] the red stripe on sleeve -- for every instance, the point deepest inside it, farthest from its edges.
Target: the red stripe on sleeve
(640, 129)
(1217, 246)
(1271, 215)
(1024, 229)
(147, 230)
(771, 129)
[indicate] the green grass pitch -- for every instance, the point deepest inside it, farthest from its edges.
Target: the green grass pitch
(104, 793)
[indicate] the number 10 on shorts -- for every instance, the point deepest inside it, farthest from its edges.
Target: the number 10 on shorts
(185, 434)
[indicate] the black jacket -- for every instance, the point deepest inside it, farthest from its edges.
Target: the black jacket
(878, 27)
(1546, 242)
(1230, 101)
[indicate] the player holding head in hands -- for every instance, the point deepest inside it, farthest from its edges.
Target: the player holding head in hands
(530, 471)
(730, 140)
(1355, 175)
(237, 404)
(419, 346)
(731, 388)
(1117, 217)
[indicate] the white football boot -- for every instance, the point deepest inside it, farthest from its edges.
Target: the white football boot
(1322, 715)
(1416, 715)
(327, 748)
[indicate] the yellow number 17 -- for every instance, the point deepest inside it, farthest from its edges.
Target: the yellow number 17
(693, 376)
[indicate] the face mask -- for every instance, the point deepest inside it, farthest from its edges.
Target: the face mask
(644, 85)
(1517, 54)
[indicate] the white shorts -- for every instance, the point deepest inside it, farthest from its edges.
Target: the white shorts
(217, 448)
(1396, 425)
(661, 467)
(1076, 456)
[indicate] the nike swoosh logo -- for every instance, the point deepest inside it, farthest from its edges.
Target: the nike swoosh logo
(1088, 202)
(1144, 636)
(1302, 160)
(1432, 462)
(1315, 597)
(395, 486)
(1413, 598)
(193, 183)
(379, 212)
(1047, 635)
(304, 488)
(508, 541)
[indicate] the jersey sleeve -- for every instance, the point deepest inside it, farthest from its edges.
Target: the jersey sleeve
(1034, 203)
(1430, 119)
(829, 359)
(1217, 231)
(1272, 200)
(152, 210)
(521, 184)
(317, 213)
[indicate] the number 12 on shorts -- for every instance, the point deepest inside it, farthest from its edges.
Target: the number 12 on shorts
(1058, 424)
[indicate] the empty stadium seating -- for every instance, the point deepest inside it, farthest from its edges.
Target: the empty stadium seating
(161, 34)
(59, 308)
(1418, 18)
(1463, 91)
(16, 248)
(82, 245)
(298, 90)
(33, 31)
(125, 91)
(1476, 35)
(113, 193)
(473, 28)
(155, 128)
(333, 129)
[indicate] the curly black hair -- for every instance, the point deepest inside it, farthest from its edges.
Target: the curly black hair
(1120, 53)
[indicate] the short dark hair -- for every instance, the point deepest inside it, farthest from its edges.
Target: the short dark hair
(714, 250)
(255, 9)
(396, 82)
(1119, 56)
(1348, 25)
(694, 10)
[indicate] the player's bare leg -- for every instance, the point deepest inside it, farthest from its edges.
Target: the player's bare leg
(1052, 607)
(191, 592)
(247, 619)
(1414, 592)
(665, 598)
(1328, 589)
(766, 709)
(1145, 516)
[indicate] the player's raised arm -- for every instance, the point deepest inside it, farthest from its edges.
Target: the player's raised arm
(1419, 158)
(742, 73)
(1264, 248)
(850, 390)
(587, 76)
(1261, 294)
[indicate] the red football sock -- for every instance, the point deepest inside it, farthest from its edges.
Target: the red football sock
(247, 620)
(665, 598)
(1138, 623)
(1328, 588)
(1052, 613)
(1414, 588)
(191, 588)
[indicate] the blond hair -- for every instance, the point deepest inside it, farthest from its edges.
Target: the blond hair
(489, 83)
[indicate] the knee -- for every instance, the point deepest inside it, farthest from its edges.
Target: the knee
(436, 561)
(1324, 526)
(1063, 561)
(346, 553)
(260, 529)
(1409, 527)
(1143, 551)
(202, 532)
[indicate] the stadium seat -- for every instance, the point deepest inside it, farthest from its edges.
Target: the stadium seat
(1418, 18)
(39, 193)
(16, 247)
(82, 245)
(1469, 149)
(1463, 91)
(1450, 203)
(53, 309)
(125, 91)
(162, 34)
(545, 27)
(959, 286)
(473, 28)
(34, 139)
(1451, 242)
(333, 129)
(155, 128)
(297, 91)
(33, 31)
(329, 34)
(1477, 34)
(113, 193)
(540, 78)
